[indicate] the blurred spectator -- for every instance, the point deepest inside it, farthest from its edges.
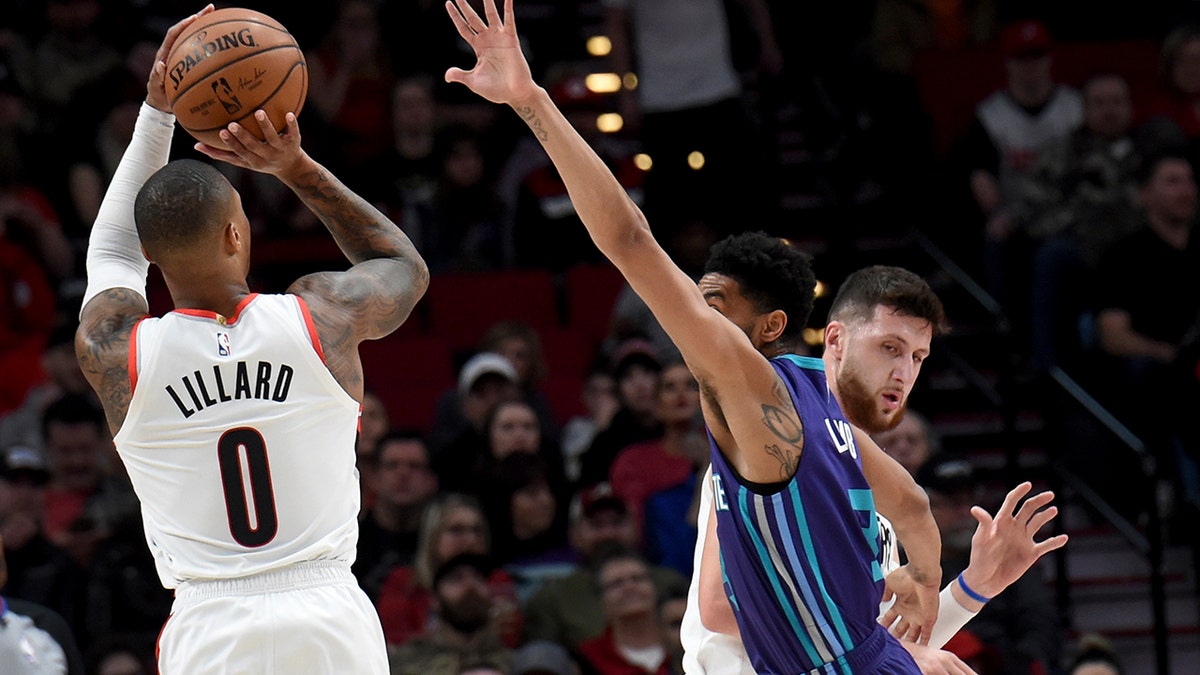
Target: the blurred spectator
(642, 469)
(1079, 199)
(18, 122)
(1144, 329)
(1095, 656)
(1011, 129)
(522, 346)
(87, 498)
(637, 369)
(901, 28)
(351, 77)
(104, 111)
(688, 85)
(452, 525)
(460, 227)
(671, 606)
(527, 518)
(464, 634)
(458, 432)
(405, 175)
(34, 638)
(373, 425)
(63, 377)
(1020, 623)
(600, 403)
(404, 484)
(72, 54)
(567, 610)
(34, 257)
(1179, 83)
(634, 640)
(911, 442)
(37, 570)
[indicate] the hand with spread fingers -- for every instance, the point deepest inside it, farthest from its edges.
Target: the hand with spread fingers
(1003, 548)
(501, 73)
(915, 610)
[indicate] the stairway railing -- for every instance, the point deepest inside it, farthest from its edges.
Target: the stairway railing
(1002, 396)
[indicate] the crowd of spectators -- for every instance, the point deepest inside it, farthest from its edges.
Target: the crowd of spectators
(524, 527)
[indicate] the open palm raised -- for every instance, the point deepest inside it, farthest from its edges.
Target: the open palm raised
(501, 74)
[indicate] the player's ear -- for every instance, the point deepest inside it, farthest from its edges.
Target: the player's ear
(835, 338)
(772, 325)
(231, 238)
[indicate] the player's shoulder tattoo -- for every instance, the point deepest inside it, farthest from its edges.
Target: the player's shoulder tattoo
(102, 347)
(781, 418)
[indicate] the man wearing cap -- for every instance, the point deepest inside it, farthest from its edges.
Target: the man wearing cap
(1021, 623)
(567, 610)
(1012, 127)
(38, 571)
(458, 428)
(464, 634)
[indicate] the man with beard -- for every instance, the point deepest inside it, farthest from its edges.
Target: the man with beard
(881, 324)
(463, 634)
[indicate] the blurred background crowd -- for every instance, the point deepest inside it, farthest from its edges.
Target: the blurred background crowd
(531, 442)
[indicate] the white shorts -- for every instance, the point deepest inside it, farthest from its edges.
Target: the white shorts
(308, 618)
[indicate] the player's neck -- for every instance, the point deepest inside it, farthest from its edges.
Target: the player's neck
(210, 292)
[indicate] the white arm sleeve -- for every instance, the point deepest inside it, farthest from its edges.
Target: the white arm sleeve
(951, 618)
(114, 255)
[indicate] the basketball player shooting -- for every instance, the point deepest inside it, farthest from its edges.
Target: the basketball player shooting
(235, 414)
(798, 538)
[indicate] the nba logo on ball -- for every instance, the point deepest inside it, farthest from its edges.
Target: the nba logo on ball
(229, 64)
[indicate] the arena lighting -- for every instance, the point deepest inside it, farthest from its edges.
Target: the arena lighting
(630, 81)
(820, 289)
(814, 337)
(599, 45)
(603, 83)
(610, 123)
(643, 161)
(696, 160)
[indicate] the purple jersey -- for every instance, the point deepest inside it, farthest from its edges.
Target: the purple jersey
(801, 559)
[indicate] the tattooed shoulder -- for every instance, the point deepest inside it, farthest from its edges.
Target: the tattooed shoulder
(102, 348)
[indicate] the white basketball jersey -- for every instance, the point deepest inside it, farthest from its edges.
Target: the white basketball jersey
(239, 442)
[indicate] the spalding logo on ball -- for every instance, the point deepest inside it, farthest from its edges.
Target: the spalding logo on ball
(230, 63)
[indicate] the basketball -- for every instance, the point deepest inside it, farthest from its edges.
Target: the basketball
(230, 63)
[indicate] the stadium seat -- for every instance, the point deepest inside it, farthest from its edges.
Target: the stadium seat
(463, 306)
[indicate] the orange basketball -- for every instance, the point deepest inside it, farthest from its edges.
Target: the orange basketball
(230, 63)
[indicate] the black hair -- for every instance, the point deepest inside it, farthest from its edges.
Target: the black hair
(179, 204)
(1151, 160)
(893, 287)
(1094, 648)
(402, 436)
(772, 274)
(73, 409)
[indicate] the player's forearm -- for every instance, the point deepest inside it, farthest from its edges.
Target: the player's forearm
(610, 216)
(918, 532)
(360, 230)
(114, 257)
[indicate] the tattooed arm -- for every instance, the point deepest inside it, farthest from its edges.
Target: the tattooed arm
(388, 277)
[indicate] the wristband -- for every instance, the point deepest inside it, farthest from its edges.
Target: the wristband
(970, 593)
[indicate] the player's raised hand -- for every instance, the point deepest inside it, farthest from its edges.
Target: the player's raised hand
(501, 74)
(156, 94)
(1003, 548)
(912, 615)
